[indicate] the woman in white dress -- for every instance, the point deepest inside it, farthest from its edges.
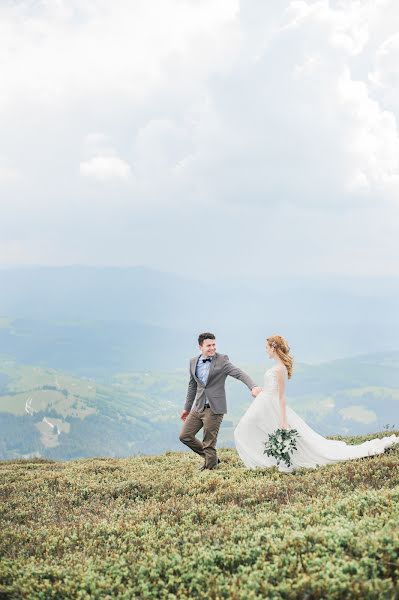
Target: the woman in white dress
(269, 411)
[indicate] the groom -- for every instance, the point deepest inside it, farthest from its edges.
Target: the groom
(206, 399)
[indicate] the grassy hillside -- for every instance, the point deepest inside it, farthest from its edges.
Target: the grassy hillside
(155, 527)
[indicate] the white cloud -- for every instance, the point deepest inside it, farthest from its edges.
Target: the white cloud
(387, 63)
(105, 168)
(101, 161)
(225, 119)
(384, 77)
(8, 174)
(373, 141)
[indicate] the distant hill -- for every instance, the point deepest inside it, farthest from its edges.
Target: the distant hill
(92, 348)
(113, 315)
(50, 413)
(155, 527)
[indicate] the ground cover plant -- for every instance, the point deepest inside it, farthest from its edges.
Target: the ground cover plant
(155, 527)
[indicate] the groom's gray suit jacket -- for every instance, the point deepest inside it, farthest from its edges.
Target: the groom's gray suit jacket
(213, 391)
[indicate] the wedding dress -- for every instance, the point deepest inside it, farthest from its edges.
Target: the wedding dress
(263, 417)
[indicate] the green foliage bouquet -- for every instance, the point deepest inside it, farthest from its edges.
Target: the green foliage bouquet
(281, 444)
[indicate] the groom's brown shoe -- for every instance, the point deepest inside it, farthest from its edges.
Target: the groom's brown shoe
(204, 467)
(215, 466)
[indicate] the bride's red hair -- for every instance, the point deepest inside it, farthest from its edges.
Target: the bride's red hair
(282, 349)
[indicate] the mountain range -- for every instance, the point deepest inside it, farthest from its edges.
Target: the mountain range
(85, 318)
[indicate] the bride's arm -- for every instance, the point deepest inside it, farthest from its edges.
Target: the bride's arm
(281, 398)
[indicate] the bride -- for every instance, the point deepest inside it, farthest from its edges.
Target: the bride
(269, 412)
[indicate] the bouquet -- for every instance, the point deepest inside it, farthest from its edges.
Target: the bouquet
(281, 444)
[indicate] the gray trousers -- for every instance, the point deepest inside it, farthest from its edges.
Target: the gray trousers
(211, 423)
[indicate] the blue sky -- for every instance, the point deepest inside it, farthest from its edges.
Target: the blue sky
(201, 136)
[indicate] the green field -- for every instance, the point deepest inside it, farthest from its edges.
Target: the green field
(155, 527)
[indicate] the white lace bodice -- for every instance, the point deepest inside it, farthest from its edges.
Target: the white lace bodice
(270, 381)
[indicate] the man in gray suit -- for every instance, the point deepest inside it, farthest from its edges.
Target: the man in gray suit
(206, 399)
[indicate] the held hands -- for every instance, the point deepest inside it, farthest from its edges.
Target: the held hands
(255, 391)
(184, 415)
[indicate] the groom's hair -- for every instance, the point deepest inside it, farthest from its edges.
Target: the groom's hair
(205, 336)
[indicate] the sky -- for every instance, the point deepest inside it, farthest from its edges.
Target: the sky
(201, 137)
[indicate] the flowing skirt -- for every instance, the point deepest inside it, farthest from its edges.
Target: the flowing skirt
(313, 450)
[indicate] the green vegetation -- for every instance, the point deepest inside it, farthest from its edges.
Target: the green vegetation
(134, 413)
(155, 527)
